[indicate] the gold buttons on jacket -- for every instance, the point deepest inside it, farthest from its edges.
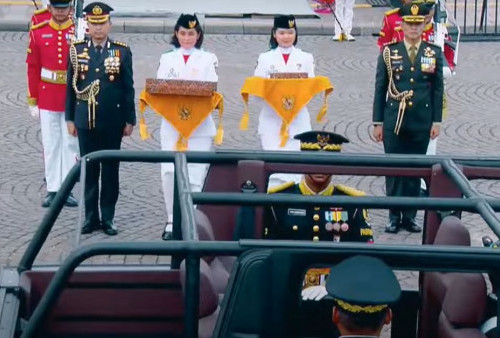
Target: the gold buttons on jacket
(59, 38)
(97, 70)
(316, 239)
(317, 208)
(60, 32)
(59, 50)
(410, 103)
(412, 69)
(295, 228)
(316, 228)
(316, 217)
(411, 80)
(59, 43)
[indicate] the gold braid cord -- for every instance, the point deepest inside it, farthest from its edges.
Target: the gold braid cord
(88, 93)
(394, 92)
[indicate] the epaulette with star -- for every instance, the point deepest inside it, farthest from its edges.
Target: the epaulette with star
(119, 43)
(40, 25)
(79, 42)
(392, 11)
(349, 190)
(282, 187)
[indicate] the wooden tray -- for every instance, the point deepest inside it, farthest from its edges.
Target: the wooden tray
(180, 87)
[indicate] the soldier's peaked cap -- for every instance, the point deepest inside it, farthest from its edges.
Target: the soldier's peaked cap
(321, 140)
(188, 21)
(60, 3)
(284, 21)
(97, 12)
(363, 285)
(414, 12)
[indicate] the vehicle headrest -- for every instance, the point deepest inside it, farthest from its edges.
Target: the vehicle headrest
(465, 302)
(209, 299)
(452, 232)
(204, 226)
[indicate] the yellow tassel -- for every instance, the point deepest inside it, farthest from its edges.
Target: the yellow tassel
(143, 129)
(284, 135)
(220, 130)
(220, 135)
(445, 106)
(182, 143)
(342, 37)
(244, 120)
(320, 118)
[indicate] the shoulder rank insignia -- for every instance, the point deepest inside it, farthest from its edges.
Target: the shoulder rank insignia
(119, 43)
(40, 11)
(77, 42)
(40, 25)
(350, 191)
(282, 187)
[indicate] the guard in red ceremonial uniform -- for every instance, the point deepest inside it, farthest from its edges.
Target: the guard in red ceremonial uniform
(391, 21)
(47, 61)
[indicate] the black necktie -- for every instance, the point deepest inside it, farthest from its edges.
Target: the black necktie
(98, 50)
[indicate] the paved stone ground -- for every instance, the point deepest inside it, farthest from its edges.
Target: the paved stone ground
(472, 129)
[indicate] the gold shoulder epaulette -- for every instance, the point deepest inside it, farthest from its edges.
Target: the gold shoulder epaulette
(119, 43)
(40, 11)
(40, 25)
(350, 191)
(392, 11)
(77, 42)
(282, 187)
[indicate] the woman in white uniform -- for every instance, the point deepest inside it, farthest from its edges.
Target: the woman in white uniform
(187, 61)
(283, 57)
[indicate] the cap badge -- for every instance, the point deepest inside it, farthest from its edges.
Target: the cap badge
(291, 23)
(97, 10)
(414, 9)
(288, 102)
(192, 24)
(323, 139)
(184, 113)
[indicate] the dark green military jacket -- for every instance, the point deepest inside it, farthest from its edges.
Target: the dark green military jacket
(424, 77)
(115, 101)
(326, 223)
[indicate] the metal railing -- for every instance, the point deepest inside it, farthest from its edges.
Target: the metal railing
(407, 257)
(184, 225)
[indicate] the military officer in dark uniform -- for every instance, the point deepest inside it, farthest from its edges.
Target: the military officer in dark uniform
(325, 223)
(408, 105)
(100, 110)
(364, 288)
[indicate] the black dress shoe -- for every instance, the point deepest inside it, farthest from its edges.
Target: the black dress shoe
(49, 198)
(411, 225)
(109, 228)
(71, 201)
(90, 226)
(392, 227)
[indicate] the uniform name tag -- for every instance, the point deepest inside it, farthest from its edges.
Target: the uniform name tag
(296, 212)
(46, 36)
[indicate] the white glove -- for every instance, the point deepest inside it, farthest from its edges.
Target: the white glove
(447, 73)
(34, 111)
(316, 292)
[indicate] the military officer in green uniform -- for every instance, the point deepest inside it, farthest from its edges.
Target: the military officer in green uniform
(325, 223)
(408, 105)
(100, 110)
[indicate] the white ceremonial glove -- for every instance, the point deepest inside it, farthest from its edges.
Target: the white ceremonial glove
(34, 111)
(316, 292)
(447, 73)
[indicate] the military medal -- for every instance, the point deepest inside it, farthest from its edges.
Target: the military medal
(336, 227)
(111, 78)
(328, 226)
(344, 227)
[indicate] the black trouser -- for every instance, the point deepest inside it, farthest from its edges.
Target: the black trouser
(94, 140)
(404, 143)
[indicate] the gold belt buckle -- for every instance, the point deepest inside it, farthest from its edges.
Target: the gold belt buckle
(61, 77)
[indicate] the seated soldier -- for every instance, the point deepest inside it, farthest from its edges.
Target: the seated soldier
(363, 289)
(321, 223)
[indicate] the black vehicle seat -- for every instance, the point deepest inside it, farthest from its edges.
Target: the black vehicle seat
(439, 288)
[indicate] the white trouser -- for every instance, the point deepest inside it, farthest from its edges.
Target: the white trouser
(344, 12)
(60, 149)
(272, 142)
(431, 150)
(197, 171)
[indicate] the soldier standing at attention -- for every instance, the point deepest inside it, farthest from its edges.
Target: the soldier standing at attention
(47, 62)
(100, 110)
(408, 105)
